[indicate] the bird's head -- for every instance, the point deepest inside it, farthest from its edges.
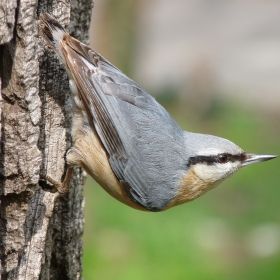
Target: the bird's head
(214, 159)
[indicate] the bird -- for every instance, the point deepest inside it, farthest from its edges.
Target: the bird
(127, 142)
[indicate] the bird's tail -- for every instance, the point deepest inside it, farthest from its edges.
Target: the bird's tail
(52, 32)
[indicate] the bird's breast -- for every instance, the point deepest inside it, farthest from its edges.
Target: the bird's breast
(190, 188)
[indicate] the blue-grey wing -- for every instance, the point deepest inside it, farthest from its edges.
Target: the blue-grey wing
(144, 144)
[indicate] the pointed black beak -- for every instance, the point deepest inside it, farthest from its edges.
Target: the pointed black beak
(253, 158)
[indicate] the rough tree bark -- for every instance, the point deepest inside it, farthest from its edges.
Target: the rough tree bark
(40, 231)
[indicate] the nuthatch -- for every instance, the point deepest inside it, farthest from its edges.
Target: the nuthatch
(128, 142)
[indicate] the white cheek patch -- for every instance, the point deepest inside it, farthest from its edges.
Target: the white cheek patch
(215, 172)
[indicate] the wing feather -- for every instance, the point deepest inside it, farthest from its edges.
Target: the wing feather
(91, 96)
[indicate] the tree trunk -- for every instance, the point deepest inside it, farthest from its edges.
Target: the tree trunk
(40, 231)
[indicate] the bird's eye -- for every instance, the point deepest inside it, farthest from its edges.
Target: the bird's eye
(223, 158)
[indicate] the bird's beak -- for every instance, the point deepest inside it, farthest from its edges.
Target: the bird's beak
(253, 158)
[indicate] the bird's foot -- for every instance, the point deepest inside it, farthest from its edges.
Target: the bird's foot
(61, 187)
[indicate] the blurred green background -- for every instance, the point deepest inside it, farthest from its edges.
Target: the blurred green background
(233, 231)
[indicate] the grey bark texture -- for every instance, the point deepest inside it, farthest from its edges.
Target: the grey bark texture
(40, 231)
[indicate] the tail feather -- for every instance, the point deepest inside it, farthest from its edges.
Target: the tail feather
(52, 32)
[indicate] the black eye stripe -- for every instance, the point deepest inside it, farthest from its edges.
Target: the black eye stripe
(210, 160)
